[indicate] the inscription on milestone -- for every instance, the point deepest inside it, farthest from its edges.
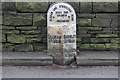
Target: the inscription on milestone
(61, 32)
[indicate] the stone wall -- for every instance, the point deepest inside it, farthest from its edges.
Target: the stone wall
(25, 27)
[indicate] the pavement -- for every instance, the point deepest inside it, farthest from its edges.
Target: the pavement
(53, 72)
(86, 58)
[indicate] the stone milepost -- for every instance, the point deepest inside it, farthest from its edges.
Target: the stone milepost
(61, 33)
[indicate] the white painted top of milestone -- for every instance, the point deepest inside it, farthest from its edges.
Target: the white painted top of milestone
(61, 14)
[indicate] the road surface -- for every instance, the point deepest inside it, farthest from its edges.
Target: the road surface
(53, 72)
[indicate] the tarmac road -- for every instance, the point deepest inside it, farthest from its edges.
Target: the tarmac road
(52, 72)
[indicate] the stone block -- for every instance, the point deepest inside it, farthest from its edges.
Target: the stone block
(39, 47)
(8, 6)
(24, 47)
(13, 38)
(105, 7)
(75, 5)
(19, 19)
(107, 35)
(112, 46)
(8, 27)
(97, 22)
(100, 40)
(10, 31)
(86, 40)
(7, 47)
(32, 6)
(44, 30)
(31, 32)
(114, 17)
(85, 7)
(115, 40)
(97, 47)
(84, 22)
(27, 28)
(84, 46)
(33, 40)
(83, 35)
(39, 19)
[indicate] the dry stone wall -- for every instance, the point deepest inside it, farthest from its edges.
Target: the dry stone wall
(24, 26)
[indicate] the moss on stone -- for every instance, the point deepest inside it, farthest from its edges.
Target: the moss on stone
(84, 22)
(7, 47)
(97, 47)
(13, 38)
(8, 27)
(107, 35)
(31, 32)
(39, 19)
(31, 40)
(24, 47)
(18, 19)
(98, 22)
(83, 46)
(32, 6)
(99, 40)
(10, 31)
(112, 46)
(27, 28)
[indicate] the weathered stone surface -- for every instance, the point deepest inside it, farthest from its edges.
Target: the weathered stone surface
(31, 32)
(10, 31)
(105, 7)
(8, 6)
(84, 22)
(26, 59)
(111, 46)
(75, 5)
(113, 17)
(3, 38)
(32, 6)
(85, 7)
(16, 38)
(0, 18)
(61, 27)
(97, 47)
(115, 40)
(31, 40)
(85, 15)
(100, 40)
(84, 46)
(7, 47)
(39, 20)
(107, 35)
(19, 19)
(101, 22)
(8, 27)
(27, 28)
(97, 58)
(39, 47)
(24, 47)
